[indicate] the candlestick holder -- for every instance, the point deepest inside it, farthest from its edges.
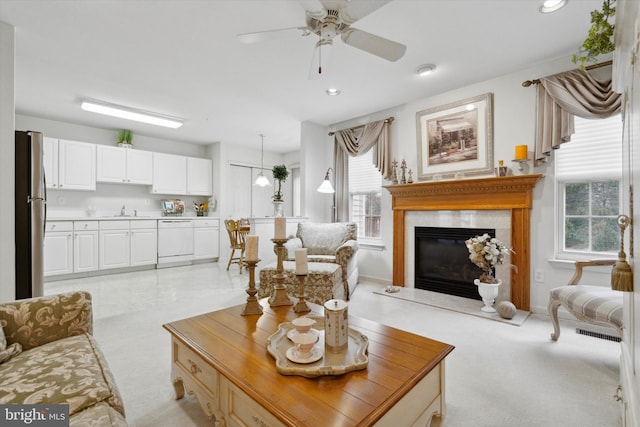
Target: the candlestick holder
(252, 305)
(279, 296)
(301, 306)
(520, 162)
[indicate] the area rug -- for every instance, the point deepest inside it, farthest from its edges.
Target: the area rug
(449, 302)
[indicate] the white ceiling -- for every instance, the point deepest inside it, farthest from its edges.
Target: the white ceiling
(182, 58)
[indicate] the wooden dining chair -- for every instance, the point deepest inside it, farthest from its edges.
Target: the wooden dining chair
(237, 235)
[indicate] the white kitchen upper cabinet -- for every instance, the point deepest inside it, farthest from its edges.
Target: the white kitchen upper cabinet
(111, 164)
(169, 174)
(124, 165)
(50, 159)
(199, 176)
(76, 165)
(139, 167)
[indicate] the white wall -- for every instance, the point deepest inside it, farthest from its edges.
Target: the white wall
(7, 162)
(316, 156)
(514, 115)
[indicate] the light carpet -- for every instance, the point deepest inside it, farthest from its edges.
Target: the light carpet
(450, 302)
(497, 375)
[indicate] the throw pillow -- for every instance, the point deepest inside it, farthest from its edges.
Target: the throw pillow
(7, 353)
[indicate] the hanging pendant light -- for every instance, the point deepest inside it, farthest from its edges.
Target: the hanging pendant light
(261, 180)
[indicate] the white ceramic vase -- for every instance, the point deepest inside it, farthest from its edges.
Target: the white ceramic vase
(278, 208)
(488, 292)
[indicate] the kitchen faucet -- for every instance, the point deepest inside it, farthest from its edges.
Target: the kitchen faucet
(122, 212)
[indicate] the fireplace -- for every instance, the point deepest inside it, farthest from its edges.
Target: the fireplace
(512, 194)
(442, 260)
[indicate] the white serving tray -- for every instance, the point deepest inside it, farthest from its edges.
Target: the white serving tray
(352, 359)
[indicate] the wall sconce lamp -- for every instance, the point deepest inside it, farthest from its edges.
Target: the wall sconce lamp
(326, 186)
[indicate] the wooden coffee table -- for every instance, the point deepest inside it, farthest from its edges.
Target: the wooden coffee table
(221, 358)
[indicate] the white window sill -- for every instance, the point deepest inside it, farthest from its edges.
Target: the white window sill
(567, 264)
(371, 245)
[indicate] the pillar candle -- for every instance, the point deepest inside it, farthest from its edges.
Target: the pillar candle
(280, 227)
(522, 152)
(251, 243)
(301, 261)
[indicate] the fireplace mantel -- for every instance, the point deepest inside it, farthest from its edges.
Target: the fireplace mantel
(513, 193)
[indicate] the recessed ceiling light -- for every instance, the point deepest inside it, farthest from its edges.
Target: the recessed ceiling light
(425, 69)
(333, 91)
(549, 6)
(470, 107)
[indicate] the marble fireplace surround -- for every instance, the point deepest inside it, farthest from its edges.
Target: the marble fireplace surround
(505, 203)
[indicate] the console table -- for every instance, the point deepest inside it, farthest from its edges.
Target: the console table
(221, 358)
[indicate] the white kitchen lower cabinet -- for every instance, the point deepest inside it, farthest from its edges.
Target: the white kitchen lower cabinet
(144, 242)
(58, 248)
(206, 238)
(114, 244)
(85, 246)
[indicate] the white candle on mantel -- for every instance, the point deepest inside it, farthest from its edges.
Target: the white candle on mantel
(251, 244)
(301, 261)
(280, 227)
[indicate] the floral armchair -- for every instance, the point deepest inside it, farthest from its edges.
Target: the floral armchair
(330, 242)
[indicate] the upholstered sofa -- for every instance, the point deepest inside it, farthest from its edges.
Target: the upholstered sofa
(48, 356)
(329, 242)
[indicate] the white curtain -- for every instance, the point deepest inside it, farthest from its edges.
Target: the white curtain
(353, 142)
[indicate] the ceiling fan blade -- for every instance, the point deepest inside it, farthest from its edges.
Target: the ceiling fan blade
(261, 36)
(358, 9)
(315, 9)
(375, 45)
(320, 59)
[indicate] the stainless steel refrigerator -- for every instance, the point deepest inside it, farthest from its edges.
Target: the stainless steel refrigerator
(30, 214)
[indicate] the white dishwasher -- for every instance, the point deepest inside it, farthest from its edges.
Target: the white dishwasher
(175, 242)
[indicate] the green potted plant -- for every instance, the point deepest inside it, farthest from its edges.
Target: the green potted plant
(600, 37)
(280, 174)
(124, 137)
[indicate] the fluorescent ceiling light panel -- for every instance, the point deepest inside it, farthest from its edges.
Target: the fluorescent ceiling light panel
(128, 113)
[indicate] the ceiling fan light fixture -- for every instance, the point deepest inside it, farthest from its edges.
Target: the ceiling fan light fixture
(425, 69)
(333, 91)
(549, 6)
(113, 110)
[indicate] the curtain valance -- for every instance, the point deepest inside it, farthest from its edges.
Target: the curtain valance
(563, 95)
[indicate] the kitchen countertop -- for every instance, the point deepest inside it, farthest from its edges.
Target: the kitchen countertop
(126, 218)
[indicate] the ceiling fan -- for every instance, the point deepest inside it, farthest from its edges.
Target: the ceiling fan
(328, 19)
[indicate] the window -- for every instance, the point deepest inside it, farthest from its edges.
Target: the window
(588, 177)
(295, 182)
(364, 196)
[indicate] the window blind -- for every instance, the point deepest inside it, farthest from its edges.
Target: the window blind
(595, 151)
(363, 175)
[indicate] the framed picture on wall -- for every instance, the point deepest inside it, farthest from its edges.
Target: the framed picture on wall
(456, 138)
